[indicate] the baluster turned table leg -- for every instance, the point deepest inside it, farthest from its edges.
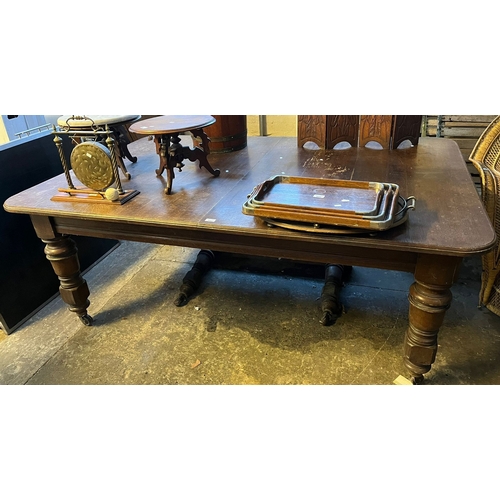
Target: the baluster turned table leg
(62, 253)
(429, 297)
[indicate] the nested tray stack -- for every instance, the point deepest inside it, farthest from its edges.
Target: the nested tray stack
(328, 205)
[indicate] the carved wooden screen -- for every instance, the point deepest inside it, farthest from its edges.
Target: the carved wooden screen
(389, 131)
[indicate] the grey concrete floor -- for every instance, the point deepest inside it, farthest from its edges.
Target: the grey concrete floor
(247, 324)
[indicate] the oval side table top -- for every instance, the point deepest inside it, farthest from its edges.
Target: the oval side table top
(168, 124)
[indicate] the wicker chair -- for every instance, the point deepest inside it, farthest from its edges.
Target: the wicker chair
(486, 158)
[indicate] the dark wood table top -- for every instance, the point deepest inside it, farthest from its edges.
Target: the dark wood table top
(169, 124)
(206, 212)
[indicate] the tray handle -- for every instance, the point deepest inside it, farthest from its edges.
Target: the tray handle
(409, 204)
(263, 186)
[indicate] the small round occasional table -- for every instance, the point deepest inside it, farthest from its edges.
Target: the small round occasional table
(116, 124)
(165, 130)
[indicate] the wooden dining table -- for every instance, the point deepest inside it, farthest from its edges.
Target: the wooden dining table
(448, 223)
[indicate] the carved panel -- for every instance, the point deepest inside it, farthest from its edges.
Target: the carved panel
(375, 128)
(406, 127)
(342, 128)
(311, 128)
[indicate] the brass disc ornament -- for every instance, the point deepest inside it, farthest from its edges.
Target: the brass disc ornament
(92, 165)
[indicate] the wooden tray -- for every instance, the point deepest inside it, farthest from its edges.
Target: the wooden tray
(308, 193)
(400, 217)
(360, 205)
(386, 206)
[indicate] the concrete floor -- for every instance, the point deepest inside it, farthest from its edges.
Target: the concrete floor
(251, 322)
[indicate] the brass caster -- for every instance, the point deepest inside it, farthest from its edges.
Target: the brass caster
(87, 320)
(417, 380)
